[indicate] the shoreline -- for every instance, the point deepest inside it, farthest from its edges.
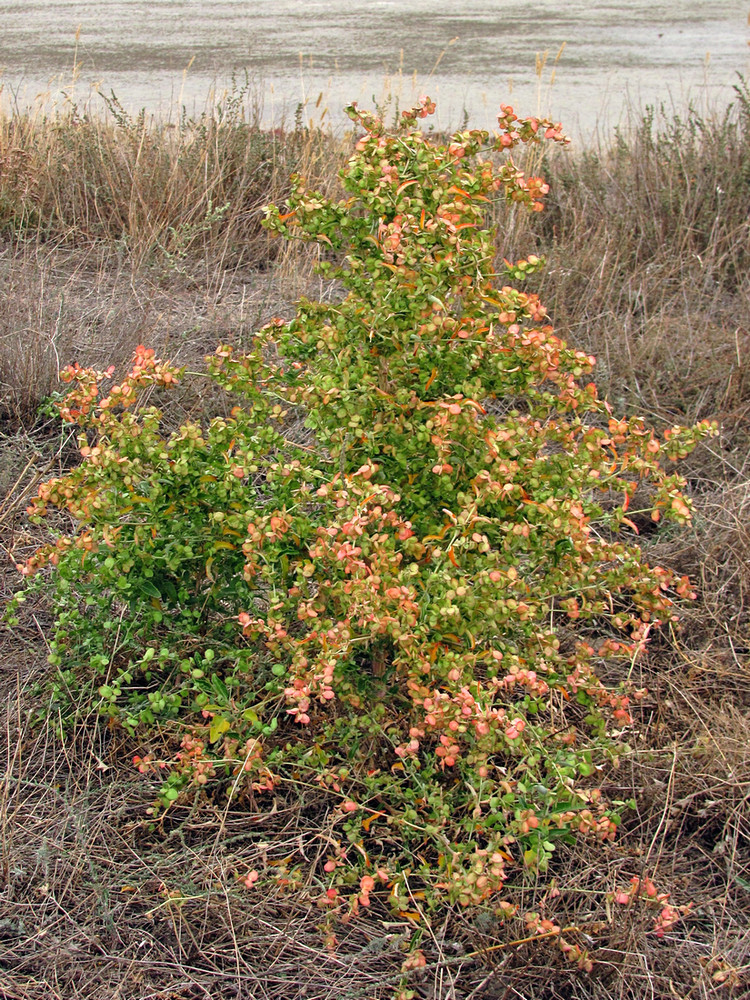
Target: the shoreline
(594, 105)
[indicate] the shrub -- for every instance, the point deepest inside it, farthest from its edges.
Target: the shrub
(431, 613)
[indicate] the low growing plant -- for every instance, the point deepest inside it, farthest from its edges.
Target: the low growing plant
(431, 613)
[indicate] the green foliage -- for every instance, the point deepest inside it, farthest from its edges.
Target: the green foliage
(418, 614)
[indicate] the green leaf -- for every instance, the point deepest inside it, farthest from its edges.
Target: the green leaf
(219, 687)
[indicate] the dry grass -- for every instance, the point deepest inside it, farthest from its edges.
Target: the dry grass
(156, 190)
(90, 305)
(96, 904)
(648, 270)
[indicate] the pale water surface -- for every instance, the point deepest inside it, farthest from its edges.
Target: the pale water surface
(468, 55)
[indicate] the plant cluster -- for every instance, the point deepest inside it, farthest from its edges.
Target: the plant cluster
(156, 190)
(428, 617)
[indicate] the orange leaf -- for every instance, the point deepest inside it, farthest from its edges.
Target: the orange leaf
(440, 537)
(492, 302)
(367, 823)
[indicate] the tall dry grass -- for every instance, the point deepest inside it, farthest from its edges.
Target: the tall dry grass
(117, 228)
(151, 187)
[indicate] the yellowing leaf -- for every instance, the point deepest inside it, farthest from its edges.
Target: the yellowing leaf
(219, 726)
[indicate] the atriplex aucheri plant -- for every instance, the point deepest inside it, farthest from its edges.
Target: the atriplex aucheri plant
(432, 611)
